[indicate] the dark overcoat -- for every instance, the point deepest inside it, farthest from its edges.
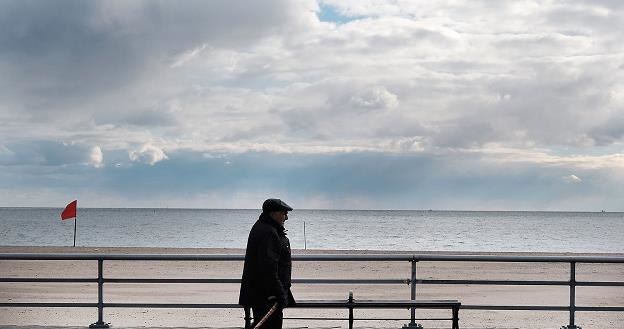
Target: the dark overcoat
(267, 269)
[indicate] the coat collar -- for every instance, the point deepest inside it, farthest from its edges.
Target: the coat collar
(267, 219)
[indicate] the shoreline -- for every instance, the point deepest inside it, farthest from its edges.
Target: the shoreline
(177, 250)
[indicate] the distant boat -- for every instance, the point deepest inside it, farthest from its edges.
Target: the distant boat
(603, 211)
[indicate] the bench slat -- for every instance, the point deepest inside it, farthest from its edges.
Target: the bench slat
(377, 303)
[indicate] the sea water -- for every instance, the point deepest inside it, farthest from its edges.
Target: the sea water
(399, 230)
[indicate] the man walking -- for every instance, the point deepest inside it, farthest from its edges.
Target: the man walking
(267, 270)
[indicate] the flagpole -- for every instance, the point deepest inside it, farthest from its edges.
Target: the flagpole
(75, 224)
(71, 211)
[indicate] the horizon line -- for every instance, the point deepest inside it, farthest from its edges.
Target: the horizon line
(320, 209)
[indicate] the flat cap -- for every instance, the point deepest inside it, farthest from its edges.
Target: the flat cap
(275, 205)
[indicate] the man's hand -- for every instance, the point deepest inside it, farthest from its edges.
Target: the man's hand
(281, 302)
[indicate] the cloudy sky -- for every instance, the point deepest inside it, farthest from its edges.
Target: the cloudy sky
(356, 104)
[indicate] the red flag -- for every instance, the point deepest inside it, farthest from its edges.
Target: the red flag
(70, 210)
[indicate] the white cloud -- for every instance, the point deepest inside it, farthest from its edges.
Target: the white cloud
(375, 98)
(96, 157)
(148, 154)
(4, 151)
(543, 157)
(572, 179)
(187, 56)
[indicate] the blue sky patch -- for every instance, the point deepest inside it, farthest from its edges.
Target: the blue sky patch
(330, 14)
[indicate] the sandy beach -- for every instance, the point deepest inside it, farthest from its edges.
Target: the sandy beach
(228, 293)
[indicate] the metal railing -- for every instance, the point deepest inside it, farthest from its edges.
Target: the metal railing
(413, 281)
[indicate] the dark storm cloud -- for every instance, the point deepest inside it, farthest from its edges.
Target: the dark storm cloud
(64, 53)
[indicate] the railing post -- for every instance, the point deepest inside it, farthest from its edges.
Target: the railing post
(413, 324)
(572, 297)
(100, 323)
(350, 302)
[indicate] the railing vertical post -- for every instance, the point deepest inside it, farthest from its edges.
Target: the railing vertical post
(100, 323)
(350, 309)
(572, 293)
(572, 297)
(413, 323)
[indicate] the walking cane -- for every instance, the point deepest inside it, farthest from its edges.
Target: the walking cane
(266, 316)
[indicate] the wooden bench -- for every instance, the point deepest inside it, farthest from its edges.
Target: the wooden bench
(352, 304)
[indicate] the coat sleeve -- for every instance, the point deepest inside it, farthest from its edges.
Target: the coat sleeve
(270, 253)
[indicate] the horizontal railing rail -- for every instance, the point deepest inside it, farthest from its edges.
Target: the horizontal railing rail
(324, 257)
(413, 281)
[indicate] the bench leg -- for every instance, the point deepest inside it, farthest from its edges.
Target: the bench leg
(455, 317)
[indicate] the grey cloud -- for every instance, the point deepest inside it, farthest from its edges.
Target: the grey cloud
(260, 131)
(397, 125)
(592, 17)
(371, 37)
(413, 34)
(54, 55)
(344, 109)
(59, 52)
(536, 102)
(611, 4)
(539, 45)
(609, 132)
(548, 104)
(147, 118)
(465, 134)
(307, 124)
(557, 106)
(602, 22)
(461, 66)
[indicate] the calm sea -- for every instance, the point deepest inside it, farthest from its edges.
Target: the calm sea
(325, 229)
